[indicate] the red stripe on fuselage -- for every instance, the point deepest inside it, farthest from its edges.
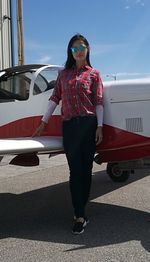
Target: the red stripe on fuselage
(117, 145)
(25, 127)
(121, 145)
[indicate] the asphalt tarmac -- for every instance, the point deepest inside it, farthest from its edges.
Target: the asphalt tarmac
(36, 215)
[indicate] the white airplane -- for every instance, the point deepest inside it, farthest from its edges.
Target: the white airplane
(24, 92)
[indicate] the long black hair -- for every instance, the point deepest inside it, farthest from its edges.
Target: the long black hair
(70, 60)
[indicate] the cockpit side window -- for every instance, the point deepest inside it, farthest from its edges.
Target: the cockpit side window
(15, 87)
(45, 80)
(39, 85)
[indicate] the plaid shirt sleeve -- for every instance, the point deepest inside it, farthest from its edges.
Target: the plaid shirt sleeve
(97, 89)
(56, 95)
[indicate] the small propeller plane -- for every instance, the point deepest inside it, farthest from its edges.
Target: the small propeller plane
(24, 92)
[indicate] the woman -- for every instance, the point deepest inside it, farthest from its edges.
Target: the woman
(79, 86)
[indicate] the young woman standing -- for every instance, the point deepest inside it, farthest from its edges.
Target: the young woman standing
(79, 86)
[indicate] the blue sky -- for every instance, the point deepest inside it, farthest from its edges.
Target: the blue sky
(117, 30)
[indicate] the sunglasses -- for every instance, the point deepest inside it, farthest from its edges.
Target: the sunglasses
(81, 48)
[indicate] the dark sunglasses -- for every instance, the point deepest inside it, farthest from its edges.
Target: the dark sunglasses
(81, 48)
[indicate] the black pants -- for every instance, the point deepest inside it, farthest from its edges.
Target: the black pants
(79, 145)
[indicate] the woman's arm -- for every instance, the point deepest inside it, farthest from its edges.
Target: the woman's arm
(50, 109)
(99, 114)
(99, 132)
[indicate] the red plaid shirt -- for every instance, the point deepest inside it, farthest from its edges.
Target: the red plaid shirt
(80, 91)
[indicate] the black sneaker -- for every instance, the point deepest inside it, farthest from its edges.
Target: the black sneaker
(78, 227)
(86, 219)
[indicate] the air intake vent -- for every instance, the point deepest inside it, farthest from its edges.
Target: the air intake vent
(134, 124)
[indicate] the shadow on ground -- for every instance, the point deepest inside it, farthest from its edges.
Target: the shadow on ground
(45, 215)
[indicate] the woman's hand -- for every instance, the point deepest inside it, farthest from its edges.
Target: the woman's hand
(39, 129)
(99, 135)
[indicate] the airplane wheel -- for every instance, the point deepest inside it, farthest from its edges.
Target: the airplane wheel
(116, 174)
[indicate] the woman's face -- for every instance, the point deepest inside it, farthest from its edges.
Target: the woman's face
(79, 51)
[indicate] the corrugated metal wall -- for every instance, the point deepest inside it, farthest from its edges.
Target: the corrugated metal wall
(5, 34)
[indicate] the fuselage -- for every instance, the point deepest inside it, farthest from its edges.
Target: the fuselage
(126, 116)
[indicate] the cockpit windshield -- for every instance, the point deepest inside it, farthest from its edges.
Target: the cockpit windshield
(15, 87)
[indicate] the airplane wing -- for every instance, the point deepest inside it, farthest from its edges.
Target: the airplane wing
(23, 145)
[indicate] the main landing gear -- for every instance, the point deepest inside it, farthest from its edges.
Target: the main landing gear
(120, 171)
(116, 173)
(114, 170)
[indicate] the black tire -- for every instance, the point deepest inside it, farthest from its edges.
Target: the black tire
(116, 174)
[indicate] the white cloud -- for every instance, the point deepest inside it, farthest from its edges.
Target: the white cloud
(140, 2)
(44, 59)
(132, 3)
(32, 45)
(125, 75)
(133, 74)
(99, 49)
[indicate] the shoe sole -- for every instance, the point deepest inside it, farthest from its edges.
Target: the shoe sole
(78, 233)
